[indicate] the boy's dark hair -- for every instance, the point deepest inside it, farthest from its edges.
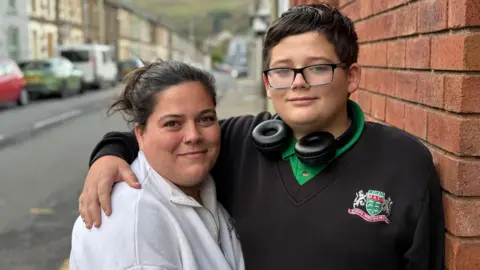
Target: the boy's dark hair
(138, 100)
(322, 18)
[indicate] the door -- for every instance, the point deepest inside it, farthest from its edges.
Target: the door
(50, 44)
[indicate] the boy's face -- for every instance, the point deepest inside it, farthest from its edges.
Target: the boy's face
(303, 107)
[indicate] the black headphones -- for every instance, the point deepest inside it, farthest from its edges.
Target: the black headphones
(271, 137)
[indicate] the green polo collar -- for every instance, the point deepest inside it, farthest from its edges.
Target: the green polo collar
(303, 173)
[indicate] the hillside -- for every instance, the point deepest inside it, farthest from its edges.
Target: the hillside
(202, 17)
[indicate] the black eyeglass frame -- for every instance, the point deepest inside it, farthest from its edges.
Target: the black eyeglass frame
(300, 70)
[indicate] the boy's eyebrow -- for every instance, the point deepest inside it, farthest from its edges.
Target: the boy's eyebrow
(282, 61)
(312, 58)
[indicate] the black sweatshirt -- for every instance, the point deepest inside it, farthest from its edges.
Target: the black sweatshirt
(378, 206)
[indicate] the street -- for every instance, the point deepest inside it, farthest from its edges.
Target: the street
(44, 153)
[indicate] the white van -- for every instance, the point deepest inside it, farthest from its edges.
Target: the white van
(95, 60)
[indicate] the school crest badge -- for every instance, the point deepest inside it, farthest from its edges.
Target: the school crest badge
(374, 206)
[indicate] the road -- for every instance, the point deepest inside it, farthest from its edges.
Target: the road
(43, 162)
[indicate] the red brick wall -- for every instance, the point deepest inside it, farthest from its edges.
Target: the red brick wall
(421, 73)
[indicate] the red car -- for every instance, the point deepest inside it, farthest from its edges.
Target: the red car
(12, 84)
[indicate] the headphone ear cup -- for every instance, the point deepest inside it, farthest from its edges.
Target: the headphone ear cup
(271, 136)
(316, 148)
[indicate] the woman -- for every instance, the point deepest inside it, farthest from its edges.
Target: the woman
(175, 221)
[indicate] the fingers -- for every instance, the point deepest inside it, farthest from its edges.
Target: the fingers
(104, 195)
(93, 207)
(83, 211)
(97, 190)
(126, 174)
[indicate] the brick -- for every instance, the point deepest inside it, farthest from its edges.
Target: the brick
(407, 20)
(381, 27)
(395, 113)
(458, 215)
(364, 54)
(361, 29)
(352, 10)
(418, 53)
(406, 86)
(431, 89)
(462, 93)
(366, 8)
(379, 54)
(342, 3)
(388, 25)
(363, 78)
(365, 101)
(382, 5)
(456, 52)
(396, 54)
(373, 54)
(461, 253)
(379, 6)
(354, 96)
(432, 15)
(454, 133)
(380, 81)
(416, 121)
(378, 107)
(463, 13)
(371, 119)
(459, 176)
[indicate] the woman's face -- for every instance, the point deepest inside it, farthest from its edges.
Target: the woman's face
(181, 139)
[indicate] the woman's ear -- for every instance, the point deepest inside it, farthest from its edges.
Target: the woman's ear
(139, 135)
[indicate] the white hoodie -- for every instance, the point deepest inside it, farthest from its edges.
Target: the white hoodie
(158, 227)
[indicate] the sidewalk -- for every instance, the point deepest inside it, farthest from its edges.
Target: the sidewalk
(246, 98)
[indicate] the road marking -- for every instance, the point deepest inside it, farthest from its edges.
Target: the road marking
(64, 265)
(55, 119)
(41, 211)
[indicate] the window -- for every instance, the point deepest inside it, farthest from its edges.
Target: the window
(36, 65)
(76, 56)
(2, 69)
(9, 69)
(13, 43)
(12, 5)
(283, 6)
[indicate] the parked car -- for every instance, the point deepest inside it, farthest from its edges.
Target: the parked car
(126, 66)
(12, 83)
(54, 76)
(95, 60)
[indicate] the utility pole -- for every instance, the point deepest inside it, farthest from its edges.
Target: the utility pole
(191, 31)
(101, 21)
(86, 22)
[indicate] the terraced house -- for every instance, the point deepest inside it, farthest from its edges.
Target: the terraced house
(33, 29)
(70, 21)
(14, 29)
(42, 28)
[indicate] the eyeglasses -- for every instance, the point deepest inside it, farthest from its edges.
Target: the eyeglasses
(314, 75)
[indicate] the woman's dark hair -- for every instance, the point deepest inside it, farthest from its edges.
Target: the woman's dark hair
(322, 18)
(137, 100)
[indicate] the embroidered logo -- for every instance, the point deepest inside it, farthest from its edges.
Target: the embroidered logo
(372, 207)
